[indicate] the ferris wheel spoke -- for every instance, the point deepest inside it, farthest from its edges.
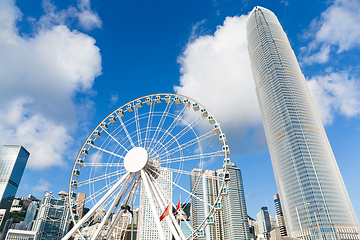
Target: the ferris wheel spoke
(103, 164)
(160, 125)
(175, 122)
(192, 157)
(103, 150)
(126, 132)
(185, 145)
(184, 131)
(101, 177)
(100, 191)
(149, 123)
(190, 174)
(138, 132)
(116, 140)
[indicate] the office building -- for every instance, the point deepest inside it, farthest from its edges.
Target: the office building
(204, 186)
(264, 223)
(236, 225)
(280, 216)
(30, 214)
(13, 159)
(147, 226)
(307, 176)
(52, 221)
(232, 221)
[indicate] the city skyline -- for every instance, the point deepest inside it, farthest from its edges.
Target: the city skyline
(305, 169)
(50, 113)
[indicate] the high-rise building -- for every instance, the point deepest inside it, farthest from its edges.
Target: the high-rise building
(264, 223)
(30, 214)
(13, 159)
(52, 221)
(232, 221)
(203, 186)
(235, 218)
(146, 226)
(280, 216)
(307, 176)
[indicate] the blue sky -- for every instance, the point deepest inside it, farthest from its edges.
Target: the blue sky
(65, 65)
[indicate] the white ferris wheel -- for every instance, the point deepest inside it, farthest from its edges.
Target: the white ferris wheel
(123, 159)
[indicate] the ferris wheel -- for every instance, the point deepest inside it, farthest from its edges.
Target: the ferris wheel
(147, 153)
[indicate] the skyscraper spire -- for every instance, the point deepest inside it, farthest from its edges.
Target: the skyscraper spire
(311, 189)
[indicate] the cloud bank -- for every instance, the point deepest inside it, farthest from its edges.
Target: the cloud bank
(215, 70)
(40, 78)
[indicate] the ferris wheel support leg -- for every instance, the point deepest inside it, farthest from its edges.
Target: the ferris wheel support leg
(157, 189)
(116, 220)
(162, 204)
(115, 202)
(153, 206)
(95, 207)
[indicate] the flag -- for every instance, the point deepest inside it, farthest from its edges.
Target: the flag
(177, 207)
(165, 213)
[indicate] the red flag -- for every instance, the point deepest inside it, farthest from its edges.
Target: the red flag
(177, 207)
(165, 213)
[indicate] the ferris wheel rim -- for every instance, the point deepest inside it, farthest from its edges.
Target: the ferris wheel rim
(71, 201)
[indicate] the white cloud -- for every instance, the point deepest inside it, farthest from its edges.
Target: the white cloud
(216, 72)
(335, 93)
(338, 29)
(113, 99)
(40, 77)
(87, 18)
(41, 187)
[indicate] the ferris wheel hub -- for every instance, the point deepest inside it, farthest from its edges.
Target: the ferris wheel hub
(135, 159)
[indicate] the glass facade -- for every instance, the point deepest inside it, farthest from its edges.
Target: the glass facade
(13, 160)
(53, 218)
(311, 189)
(232, 221)
(30, 214)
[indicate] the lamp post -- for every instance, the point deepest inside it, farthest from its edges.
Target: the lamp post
(297, 213)
(317, 223)
(127, 207)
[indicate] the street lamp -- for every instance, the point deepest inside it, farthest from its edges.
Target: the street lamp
(297, 213)
(317, 223)
(127, 207)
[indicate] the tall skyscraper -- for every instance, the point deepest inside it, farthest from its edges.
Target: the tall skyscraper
(264, 223)
(13, 160)
(232, 221)
(30, 214)
(203, 185)
(146, 225)
(280, 215)
(236, 225)
(307, 176)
